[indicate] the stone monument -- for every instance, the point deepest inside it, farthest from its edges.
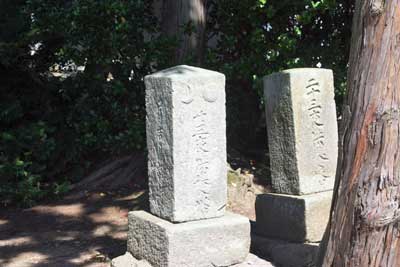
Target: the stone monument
(303, 146)
(186, 141)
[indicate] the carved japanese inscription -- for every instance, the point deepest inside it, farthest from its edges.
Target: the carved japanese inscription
(302, 130)
(201, 135)
(186, 143)
(313, 95)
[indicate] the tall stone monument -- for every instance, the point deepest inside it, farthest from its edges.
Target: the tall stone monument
(303, 146)
(186, 140)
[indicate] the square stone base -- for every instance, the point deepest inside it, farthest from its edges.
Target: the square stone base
(213, 242)
(284, 253)
(293, 218)
(127, 260)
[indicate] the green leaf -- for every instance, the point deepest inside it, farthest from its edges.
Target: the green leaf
(262, 3)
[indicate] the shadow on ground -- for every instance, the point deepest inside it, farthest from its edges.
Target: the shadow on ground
(89, 226)
(84, 229)
(282, 253)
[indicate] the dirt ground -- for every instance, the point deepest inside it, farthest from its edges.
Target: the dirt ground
(85, 231)
(89, 228)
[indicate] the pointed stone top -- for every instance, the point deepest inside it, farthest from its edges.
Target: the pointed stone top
(183, 72)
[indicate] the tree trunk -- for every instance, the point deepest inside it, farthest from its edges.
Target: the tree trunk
(364, 224)
(185, 20)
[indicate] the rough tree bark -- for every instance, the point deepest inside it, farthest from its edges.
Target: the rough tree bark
(186, 21)
(364, 225)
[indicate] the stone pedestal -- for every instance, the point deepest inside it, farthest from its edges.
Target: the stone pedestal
(222, 241)
(127, 260)
(186, 142)
(285, 253)
(293, 218)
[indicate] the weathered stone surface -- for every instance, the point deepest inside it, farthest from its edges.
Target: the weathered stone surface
(143, 263)
(283, 253)
(186, 142)
(293, 218)
(222, 241)
(126, 260)
(251, 261)
(302, 130)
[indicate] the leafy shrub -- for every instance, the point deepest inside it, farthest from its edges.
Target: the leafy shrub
(254, 38)
(57, 118)
(72, 90)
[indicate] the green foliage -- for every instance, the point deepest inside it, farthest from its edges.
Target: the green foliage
(254, 38)
(72, 90)
(56, 120)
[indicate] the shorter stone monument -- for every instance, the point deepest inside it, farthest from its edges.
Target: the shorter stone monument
(302, 130)
(186, 141)
(303, 146)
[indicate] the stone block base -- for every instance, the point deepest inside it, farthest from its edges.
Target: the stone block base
(213, 242)
(283, 253)
(293, 218)
(128, 260)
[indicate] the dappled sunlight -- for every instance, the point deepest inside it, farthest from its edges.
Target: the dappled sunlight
(17, 241)
(26, 259)
(86, 258)
(67, 236)
(71, 210)
(107, 214)
(83, 231)
(102, 230)
(117, 231)
(133, 196)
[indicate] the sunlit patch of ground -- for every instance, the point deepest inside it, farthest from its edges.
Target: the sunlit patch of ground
(89, 228)
(17, 241)
(70, 210)
(86, 231)
(26, 259)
